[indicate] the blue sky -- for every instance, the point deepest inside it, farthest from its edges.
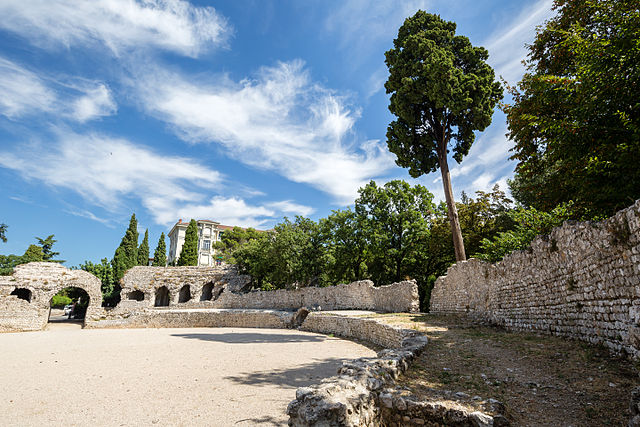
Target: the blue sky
(241, 112)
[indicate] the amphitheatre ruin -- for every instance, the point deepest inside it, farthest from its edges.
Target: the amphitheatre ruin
(580, 282)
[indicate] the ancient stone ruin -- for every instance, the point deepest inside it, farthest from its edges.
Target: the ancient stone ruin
(582, 281)
(184, 297)
(25, 296)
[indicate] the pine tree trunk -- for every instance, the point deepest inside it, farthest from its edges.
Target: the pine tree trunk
(458, 243)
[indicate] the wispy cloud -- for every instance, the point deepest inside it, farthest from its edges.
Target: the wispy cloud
(96, 102)
(279, 121)
(172, 25)
(83, 213)
(107, 172)
(507, 46)
(25, 92)
(362, 25)
(290, 207)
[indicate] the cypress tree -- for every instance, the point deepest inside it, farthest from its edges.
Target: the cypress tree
(160, 255)
(126, 255)
(189, 254)
(143, 250)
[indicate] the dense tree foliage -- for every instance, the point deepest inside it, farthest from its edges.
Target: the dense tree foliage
(104, 271)
(160, 254)
(575, 118)
(189, 253)
(125, 257)
(47, 245)
(233, 239)
(143, 249)
(34, 253)
(442, 90)
(529, 223)
(396, 219)
(3, 232)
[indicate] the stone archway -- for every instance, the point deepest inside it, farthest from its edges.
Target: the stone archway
(43, 280)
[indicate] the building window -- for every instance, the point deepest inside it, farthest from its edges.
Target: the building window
(206, 245)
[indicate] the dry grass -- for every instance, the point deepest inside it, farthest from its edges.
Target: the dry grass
(541, 380)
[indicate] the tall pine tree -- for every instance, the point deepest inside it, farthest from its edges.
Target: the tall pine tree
(126, 255)
(143, 249)
(189, 254)
(160, 255)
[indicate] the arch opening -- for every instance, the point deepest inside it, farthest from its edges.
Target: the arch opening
(22, 293)
(207, 292)
(185, 294)
(162, 297)
(136, 295)
(69, 305)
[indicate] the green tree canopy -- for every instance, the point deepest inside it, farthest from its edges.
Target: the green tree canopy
(47, 251)
(575, 118)
(143, 249)
(442, 90)
(32, 254)
(126, 255)
(3, 232)
(104, 272)
(189, 253)
(396, 218)
(160, 254)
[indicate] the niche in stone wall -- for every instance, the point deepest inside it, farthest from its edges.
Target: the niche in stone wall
(22, 293)
(162, 297)
(207, 292)
(136, 295)
(185, 294)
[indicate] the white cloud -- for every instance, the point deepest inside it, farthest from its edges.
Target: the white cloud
(97, 102)
(280, 121)
(507, 47)
(362, 24)
(26, 93)
(228, 211)
(172, 25)
(23, 91)
(290, 207)
(107, 172)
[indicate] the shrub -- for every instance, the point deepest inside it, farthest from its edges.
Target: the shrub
(530, 223)
(59, 301)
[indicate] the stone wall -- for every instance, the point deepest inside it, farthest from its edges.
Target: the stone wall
(196, 318)
(38, 282)
(222, 287)
(146, 291)
(582, 281)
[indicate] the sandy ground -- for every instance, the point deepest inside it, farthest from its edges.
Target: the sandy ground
(125, 377)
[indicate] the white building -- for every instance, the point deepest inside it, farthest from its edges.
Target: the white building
(209, 232)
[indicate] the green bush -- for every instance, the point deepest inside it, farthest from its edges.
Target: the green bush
(530, 223)
(59, 301)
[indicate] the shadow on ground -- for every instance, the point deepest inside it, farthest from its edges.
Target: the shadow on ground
(300, 376)
(252, 338)
(260, 421)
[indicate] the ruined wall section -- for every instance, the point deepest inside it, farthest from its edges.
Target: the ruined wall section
(222, 287)
(582, 281)
(43, 280)
(361, 295)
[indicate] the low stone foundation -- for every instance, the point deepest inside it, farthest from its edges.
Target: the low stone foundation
(197, 318)
(360, 395)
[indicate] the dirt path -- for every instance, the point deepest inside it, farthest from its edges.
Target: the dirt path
(541, 380)
(199, 376)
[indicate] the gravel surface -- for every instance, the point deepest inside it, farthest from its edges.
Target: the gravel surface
(197, 376)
